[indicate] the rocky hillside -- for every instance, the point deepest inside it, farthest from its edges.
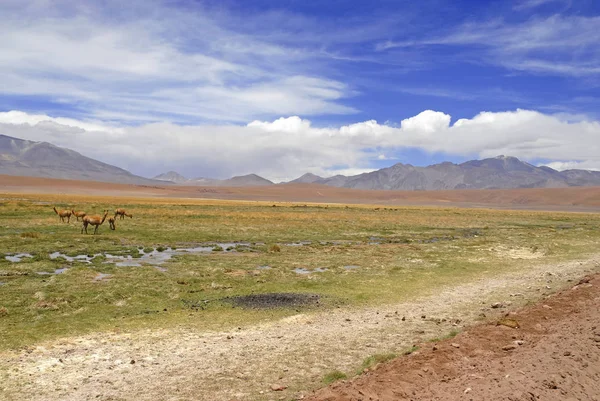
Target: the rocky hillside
(41, 159)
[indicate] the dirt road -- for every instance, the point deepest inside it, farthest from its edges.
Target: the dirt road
(553, 355)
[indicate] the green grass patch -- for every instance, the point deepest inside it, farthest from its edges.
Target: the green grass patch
(376, 359)
(395, 256)
(334, 376)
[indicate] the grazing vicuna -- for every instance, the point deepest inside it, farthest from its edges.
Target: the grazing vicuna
(111, 223)
(78, 214)
(62, 214)
(122, 213)
(94, 221)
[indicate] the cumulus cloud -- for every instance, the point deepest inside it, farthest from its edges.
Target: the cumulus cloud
(568, 165)
(286, 148)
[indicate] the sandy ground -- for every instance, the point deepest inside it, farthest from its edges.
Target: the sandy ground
(571, 199)
(553, 355)
(295, 353)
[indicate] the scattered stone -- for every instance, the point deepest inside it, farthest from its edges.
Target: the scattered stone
(567, 353)
(435, 348)
(497, 305)
(423, 316)
(455, 345)
(509, 347)
(584, 280)
(546, 307)
(519, 342)
(468, 390)
(512, 323)
(278, 387)
(132, 362)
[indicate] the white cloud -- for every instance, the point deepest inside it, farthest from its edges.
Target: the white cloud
(557, 45)
(568, 165)
(527, 4)
(149, 61)
(289, 147)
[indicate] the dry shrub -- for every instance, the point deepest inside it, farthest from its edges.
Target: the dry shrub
(274, 248)
(48, 305)
(30, 235)
(3, 311)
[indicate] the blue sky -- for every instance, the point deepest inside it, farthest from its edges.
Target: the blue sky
(175, 72)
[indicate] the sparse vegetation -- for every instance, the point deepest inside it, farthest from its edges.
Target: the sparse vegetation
(451, 334)
(376, 359)
(410, 350)
(334, 376)
(30, 235)
(400, 255)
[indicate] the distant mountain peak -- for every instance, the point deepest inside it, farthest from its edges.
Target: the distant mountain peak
(307, 178)
(171, 176)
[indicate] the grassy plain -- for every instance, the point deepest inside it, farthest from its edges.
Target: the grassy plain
(369, 255)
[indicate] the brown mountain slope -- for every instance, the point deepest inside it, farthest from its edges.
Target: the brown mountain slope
(41, 159)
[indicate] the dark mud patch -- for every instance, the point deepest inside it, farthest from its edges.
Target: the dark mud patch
(275, 300)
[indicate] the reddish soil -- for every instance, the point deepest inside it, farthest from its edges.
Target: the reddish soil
(553, 355)
(572, 199)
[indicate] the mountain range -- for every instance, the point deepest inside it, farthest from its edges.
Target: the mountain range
(237, 181)
(500, 172)
(41, 159)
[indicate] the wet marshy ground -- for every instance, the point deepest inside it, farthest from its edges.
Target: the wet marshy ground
(274, 300)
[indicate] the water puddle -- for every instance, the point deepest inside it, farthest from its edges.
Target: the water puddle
(302, 270)
(78, 258)
(299, 243)
(155, 257)
(102, 277)
(57, 271)
(18, 257)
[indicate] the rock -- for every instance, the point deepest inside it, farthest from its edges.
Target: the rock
(519, 342)
(435, 348)
(546, 307)
(468, 390)
(455, 345)
(567, 353)
(584, 280)
(497, 305)
(512, 323)
(278, 387)
(132, 362)
(509, 347)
